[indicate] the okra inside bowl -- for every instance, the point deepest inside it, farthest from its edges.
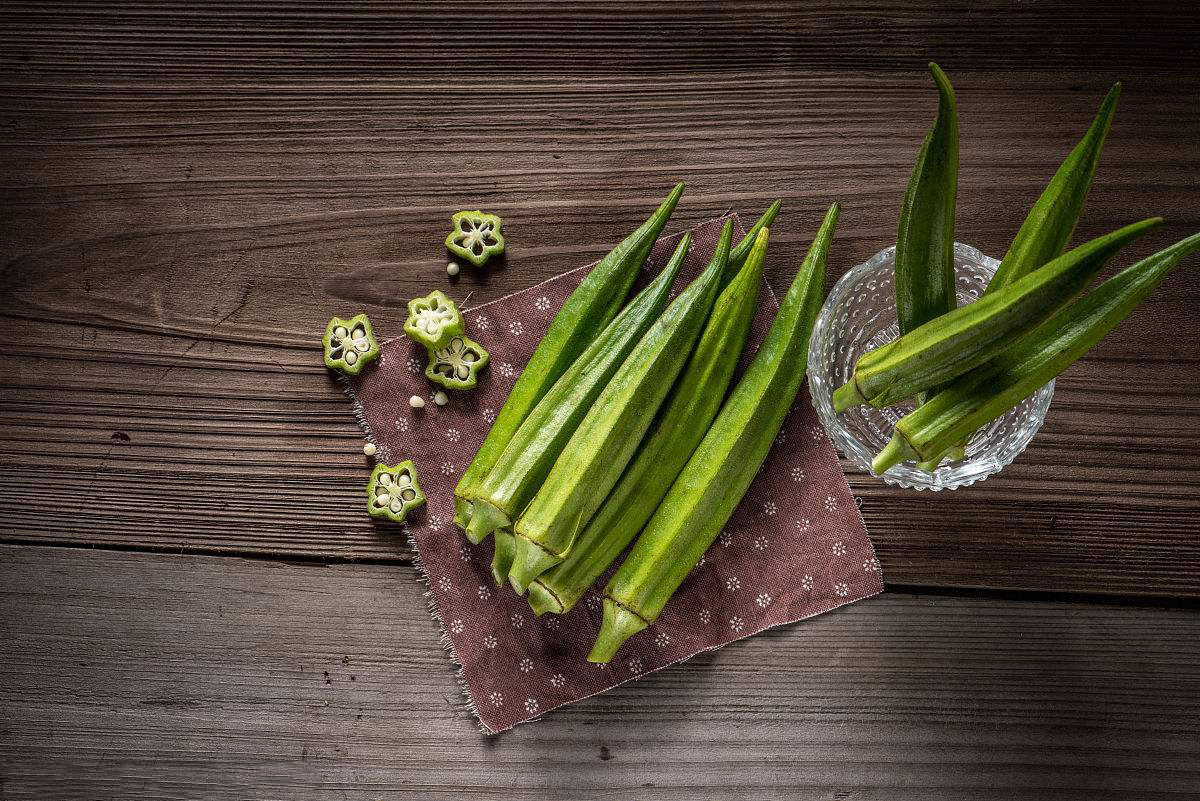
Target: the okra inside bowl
(860, 315)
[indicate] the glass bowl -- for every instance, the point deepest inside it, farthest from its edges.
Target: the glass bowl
(859, 315)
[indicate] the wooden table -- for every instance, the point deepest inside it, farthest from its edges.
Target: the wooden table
(195, 604)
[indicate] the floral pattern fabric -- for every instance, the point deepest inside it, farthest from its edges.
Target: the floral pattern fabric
(795, 547)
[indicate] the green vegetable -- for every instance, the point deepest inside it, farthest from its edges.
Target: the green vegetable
(594, 458)
(678, 428)
(393, 492)
(967, 337)
(591, 307)
(456, 364)
(925, 239)
(1048, 226)
(977, 398)
(502, 556)
(740, 252)
(519, 472)
(720, 470)
(349, 344)
(475, 236)
(433, 320)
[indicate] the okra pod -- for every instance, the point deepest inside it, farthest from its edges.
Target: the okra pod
(977, 398)
(519, 471)
(598, 451)
(591, 307)
(677, 430)
(965, 338)
(720, 470)
(741, 251)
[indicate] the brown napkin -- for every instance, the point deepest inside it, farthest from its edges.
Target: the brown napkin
(795, 546)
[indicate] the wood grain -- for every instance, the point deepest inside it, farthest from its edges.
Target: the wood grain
(169, 251)
(168, 677)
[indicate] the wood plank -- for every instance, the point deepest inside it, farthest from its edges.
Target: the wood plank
(153, 39)
(157, 676)
(168, 252)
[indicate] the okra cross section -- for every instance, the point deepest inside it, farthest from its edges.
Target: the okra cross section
(433, 320)
(475, 236)
(393, 491)
(349, 344)
(456, 364)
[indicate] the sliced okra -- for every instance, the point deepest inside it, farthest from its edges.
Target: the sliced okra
(349, 344)
(393, 492)
(456, 364)
(433, 320)
(475, 236)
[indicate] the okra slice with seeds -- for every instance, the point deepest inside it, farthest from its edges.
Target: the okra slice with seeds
(965, 338)
(591, 307)
(519, 472)
(598, 451)
(394, 491)
(456, 364)
(678, 428)
(475, 236)
(977, 398)
(349, 344)
(433, 320)
(719, 472)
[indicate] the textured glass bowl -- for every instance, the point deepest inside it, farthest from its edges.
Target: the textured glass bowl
(859, 315)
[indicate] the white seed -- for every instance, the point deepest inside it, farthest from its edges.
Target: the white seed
(440, 398)
(452, 269)
(417, 402)
(340, 332)
(351, 357)
(369, 449)
(385, 479)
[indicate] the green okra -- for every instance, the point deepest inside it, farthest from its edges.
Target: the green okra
(394, 491)
(349, 344)
(965, 338)
(520, 470)
(502, 556)
(592, 461)
(720, 470)
(475, 236)
(925, 238)
(591, 307)
(977, 398)
(456, 363)
(677, 430)
(433, 320)
(741, 251)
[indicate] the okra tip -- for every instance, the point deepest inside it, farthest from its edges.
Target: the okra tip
(529, 561)
(542, 600)
(896, 451)
(485, 518)
(619, 625)
(847, 396)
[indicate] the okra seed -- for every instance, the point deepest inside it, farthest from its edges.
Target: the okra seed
(452, 269)
(440, 398)
(369, 449)
(340, 332)
(351, 357)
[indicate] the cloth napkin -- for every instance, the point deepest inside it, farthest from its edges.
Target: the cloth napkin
(795, 547)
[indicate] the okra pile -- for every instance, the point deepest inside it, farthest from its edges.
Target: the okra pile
(626, 429)
(966, 366)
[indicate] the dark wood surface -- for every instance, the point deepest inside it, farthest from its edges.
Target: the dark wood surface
(187, 192)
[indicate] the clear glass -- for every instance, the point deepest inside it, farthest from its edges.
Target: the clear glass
(859, 315)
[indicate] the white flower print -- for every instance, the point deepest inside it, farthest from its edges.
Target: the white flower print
(453, 434)
(489, 642)
(871, 565)
(464, 552)
(761, 542)
(485, 592)
(412, 365)
(733, 583)
(401, 424)
(763, 600)
(456, 626)
(661, 639)
(482, 323)
(839, 548)
(558, 680)
(489, 416)
(705, 616)
(635, 665)
(803, 524)
(497, 699)
(518, 620)
(841, 589)
(516, 328)
(769, 508)
(551, 622)
(781, 437)
(531, 706)
(807, 582)
(447, 468)
(830, 503)
(726, 539)
(444, 584)
(816, 433)
(797, 474)
(703, 559)
(382, 359)
(526, 665)
(736, 623)
(593, 602)
(435, 522)
(507, 370)
(542, 303)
